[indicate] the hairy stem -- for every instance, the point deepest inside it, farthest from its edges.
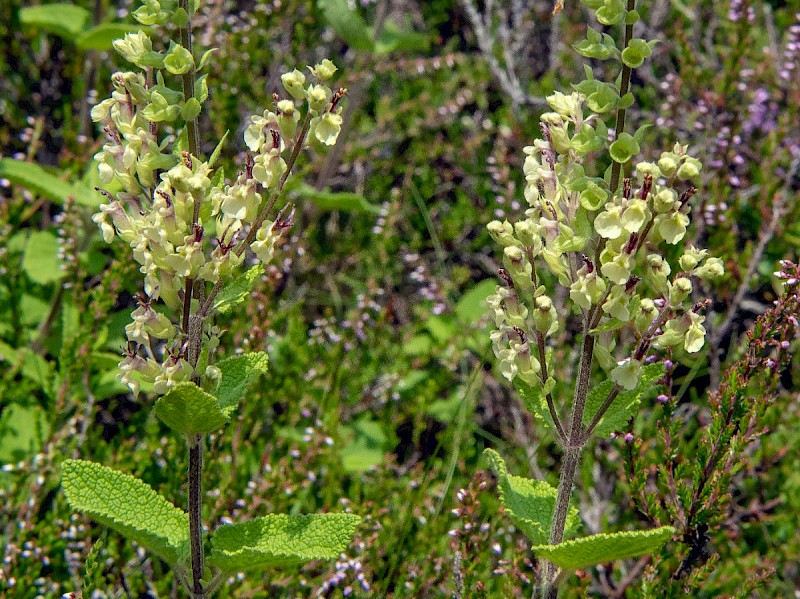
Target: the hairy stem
(195, 513)
(572, 455)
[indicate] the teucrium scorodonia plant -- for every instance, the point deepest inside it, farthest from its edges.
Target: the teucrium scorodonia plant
(200, 243)
(602, 241)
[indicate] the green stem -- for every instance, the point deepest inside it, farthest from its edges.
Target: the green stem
(192, 133)
(623, 89)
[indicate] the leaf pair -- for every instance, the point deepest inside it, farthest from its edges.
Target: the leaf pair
(530, 504)
(133, 508)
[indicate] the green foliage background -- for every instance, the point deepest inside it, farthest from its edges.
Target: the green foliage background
(381, 395)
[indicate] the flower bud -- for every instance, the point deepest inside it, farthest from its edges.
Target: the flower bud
(318, 97)
(691, 258)
(648, 168)
(545, 318)
(679, 291)
(664, 200)
(324, 70)
(518, 267)
(668, 164)
(645, 316)
(712, 268)
(502, 233)
(689, 169)
(293, 83)
(527, 232)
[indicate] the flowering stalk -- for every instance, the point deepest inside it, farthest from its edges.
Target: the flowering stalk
(173, 204)
(600, 241)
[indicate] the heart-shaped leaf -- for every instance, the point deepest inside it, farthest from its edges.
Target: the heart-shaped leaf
(129, 506)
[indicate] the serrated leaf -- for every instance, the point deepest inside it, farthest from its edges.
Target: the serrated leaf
(624, 406)
(65, 20)
(347, 23)
(101, 36)
(472, 305)
(535, 401)
(188, 409)
(238, 373)
(597, 549)
(38, 180)
(529, 503)
(235, 292)
(280, 540)
(339, 200)
(41, 261)
(128, 505)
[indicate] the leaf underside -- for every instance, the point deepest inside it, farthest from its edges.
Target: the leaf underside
(281, 540)
(128, 505)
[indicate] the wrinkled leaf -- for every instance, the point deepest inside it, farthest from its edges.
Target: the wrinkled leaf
(624, 406)
(237, 290)
(535, 401)
(598, 549)
(128, 505)
(188, 409)
(529, 503)
(238, 373)
(280, 540)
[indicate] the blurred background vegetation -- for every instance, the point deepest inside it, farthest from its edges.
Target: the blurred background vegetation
(381, 393)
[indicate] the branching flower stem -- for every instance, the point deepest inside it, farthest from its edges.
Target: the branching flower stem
(193, 334)
(576, 436)
(205, 309)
